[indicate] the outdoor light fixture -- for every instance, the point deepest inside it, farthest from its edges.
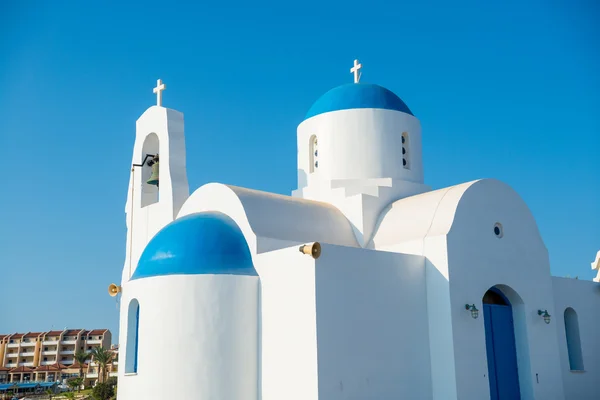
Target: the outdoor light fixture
(544, 315)
(473, 309)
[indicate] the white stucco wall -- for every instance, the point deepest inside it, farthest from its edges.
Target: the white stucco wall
(419, 225)
(288, 325)
(584, 298)
(372, 328)
(198, 337)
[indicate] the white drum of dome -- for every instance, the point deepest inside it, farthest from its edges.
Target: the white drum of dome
(190, 315)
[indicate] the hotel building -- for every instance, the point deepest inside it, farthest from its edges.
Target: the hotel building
(47, 356)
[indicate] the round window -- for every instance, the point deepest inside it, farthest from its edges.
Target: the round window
(498, 231)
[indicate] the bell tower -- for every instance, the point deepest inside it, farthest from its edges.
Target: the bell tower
(158, 184)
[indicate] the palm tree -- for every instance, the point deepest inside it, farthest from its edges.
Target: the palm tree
(103, 357)
(81, 357)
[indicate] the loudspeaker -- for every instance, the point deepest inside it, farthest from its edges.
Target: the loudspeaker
(113, 290)
(313, 250)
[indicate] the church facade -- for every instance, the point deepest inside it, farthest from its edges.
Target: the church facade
(363, 284)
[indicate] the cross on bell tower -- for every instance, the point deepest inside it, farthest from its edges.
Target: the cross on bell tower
(160, 86)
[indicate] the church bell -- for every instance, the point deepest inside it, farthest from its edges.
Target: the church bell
(154, 177)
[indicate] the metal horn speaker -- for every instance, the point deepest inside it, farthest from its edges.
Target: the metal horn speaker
(313, 250)
(114, 289)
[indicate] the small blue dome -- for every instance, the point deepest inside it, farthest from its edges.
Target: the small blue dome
(357, 95)
(202, 243)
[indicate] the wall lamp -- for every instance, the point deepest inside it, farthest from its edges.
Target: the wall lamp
(473, 309)
(544, 314)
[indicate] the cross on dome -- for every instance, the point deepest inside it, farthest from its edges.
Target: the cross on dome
(158, 90)
(354, 70)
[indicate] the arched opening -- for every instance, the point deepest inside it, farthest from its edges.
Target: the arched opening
(501, 345)
(405, 150)
(313, 157)
(133, 329)
(150, 193)
(573, 340)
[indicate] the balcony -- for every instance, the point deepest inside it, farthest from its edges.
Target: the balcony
(26, 364)
(27, 354)
(67, 352)
(13, 345)
(66, 362)
(51, 362)
(11, 365)
(92, 375)
(12, 354)
(28, 344)
(49, 352)
(94, 341)
(68, 341)
(50, 342)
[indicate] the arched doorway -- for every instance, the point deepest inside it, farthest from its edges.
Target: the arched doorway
(500, 345)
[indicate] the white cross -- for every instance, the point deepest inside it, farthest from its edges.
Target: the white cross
(354, 70)
(158, 90)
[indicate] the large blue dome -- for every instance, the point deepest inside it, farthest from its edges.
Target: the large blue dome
(357, 95)
(202, 243)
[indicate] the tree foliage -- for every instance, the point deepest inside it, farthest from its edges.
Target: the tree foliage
(82, 357)
(75, 383)
(103, 357)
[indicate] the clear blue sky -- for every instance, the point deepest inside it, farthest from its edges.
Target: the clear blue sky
(505, 89)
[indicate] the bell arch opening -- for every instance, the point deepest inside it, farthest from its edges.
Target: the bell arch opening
(150, 191)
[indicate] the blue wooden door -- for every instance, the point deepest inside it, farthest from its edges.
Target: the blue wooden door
(501, 352)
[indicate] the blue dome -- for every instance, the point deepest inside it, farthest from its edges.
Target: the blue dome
(357, 95)
(202, 243)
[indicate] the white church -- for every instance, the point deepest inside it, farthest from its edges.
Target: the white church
(363, 284)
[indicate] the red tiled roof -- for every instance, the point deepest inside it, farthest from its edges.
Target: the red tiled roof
(4, 368)
(20, 369)
(98, 332)
(54, 367)
(17, 335)
(53, 333)
(72, 332)
(33, 334)
(76, 365)
(85, 333)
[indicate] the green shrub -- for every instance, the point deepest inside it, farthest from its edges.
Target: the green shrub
(112, 381)
(103, 391)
